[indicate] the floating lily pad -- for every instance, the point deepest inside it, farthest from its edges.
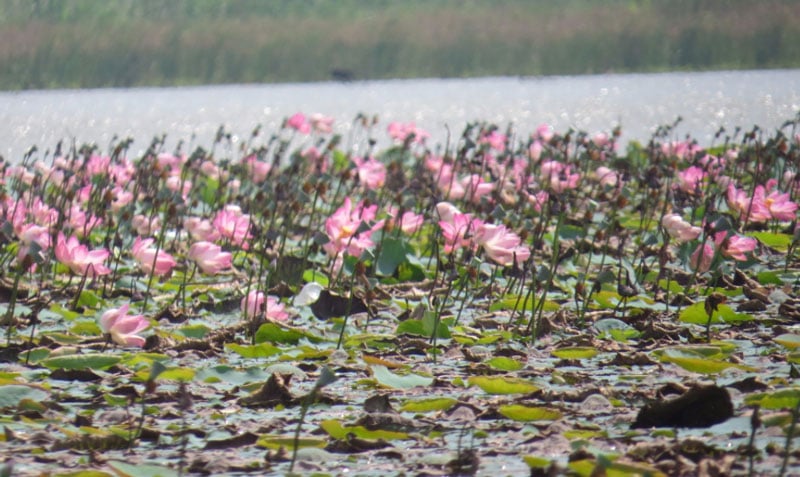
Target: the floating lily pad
(788, 340)
(503, 385)
(398, 381)
(339, 431)
(277, 442)
(577, 352)
(504, 363)
(518, 412)
(81, 361)
(788, 398)
(428, 405)
(13, 394)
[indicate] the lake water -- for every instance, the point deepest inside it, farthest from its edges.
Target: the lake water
(637, 102)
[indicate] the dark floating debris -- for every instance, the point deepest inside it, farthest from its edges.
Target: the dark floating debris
(700, 406)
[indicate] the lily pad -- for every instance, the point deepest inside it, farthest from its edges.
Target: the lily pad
(503, 385)
(339, 431)
(577, 352)
(788, 340)
(518, 412)
(82, 361)
(398, 381)
(13, 394)
(504, 363)
(428, 405)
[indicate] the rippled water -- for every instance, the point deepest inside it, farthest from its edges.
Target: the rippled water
(637, 102)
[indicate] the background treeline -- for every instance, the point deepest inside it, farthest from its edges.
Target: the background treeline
(96, 43)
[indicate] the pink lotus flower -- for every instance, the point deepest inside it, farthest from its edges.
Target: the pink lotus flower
(408, 223)
(537, 200)
(210, 257)
(459, 232)
(342, 229)
(299, 123)
(544, 132)
(123, 327)
(371, 172)
(144, 225)
(600, 139)
(735, 246)
(30, 234)
(81, 222)
(606, 176)
(152, 260)
(121, 198)
(233, 225)
(79, 259)
(470, 188)
(318, 162)
(257, 169)
(751, 209)
(253, 304)
(43, 214)
(702, 257)
(778, 204)
(201, 229)
(501, 245)
(679, 229)
(401, 132)
(535, 150)
(730, 246)
(176, 183)
(495, 140)
(558, 177)
(321, 123)
(446, 211)
(690, 180)
(681, 149)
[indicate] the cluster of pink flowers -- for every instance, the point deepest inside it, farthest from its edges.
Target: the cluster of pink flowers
(233, 225)
(495, 140)
(257, 169)
(681, 149)
(766, 203)
(469, 187)
(461, 230)
(315, 122)
(401, 132)
(558, 177)
(690, 180)
(344, 229)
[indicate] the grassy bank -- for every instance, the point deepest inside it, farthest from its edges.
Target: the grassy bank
(92, 43)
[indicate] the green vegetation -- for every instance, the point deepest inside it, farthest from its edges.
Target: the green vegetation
(92, 43)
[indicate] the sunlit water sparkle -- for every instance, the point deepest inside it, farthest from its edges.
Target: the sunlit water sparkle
(638, 102)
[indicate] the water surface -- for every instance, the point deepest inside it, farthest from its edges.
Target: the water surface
(639, 103)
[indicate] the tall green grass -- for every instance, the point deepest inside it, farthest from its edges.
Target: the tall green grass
(92, 43)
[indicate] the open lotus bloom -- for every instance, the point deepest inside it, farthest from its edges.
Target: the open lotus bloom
(210, 257)
(151, 259)
(680, 229)
(79, 258)
(122, 327)
(501, 245)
